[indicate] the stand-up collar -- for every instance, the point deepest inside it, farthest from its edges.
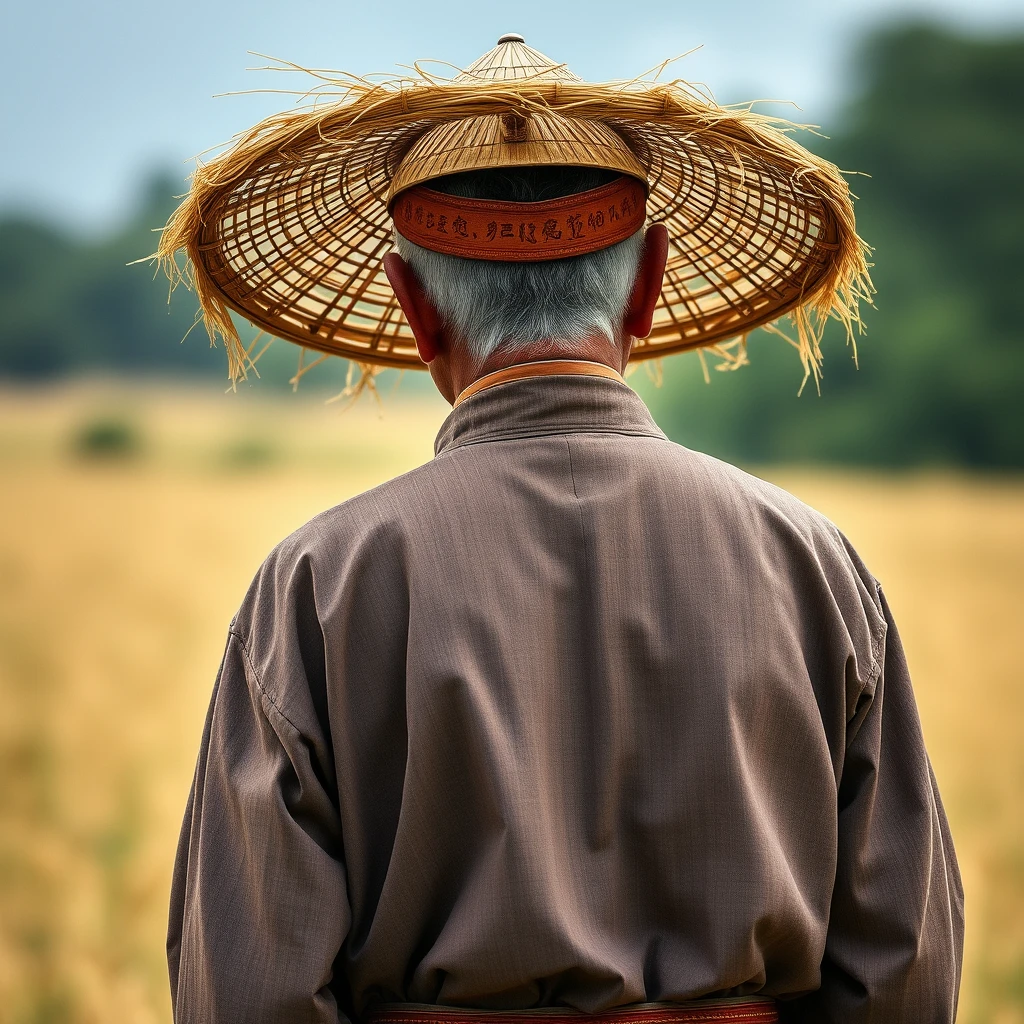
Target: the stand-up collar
(535, 406)
(540, 368)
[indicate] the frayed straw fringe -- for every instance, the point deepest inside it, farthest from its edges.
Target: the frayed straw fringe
(354, 387)
(393, 103)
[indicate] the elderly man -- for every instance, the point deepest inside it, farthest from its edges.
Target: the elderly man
(571, 721)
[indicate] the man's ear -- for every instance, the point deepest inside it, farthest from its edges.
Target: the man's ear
(647, 287)
(416, 305)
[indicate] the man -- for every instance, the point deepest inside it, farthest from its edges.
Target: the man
(571, 720)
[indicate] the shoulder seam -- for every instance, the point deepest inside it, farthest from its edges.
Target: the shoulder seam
(878, 640)
(871, 584)
(264, 692)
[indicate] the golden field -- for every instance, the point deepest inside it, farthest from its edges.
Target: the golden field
(119, 573)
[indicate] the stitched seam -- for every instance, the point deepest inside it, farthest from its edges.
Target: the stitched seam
(256, 679)
(572, 477)
(878, 640)
(579, 506)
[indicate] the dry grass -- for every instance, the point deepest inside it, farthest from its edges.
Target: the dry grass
(117, 581)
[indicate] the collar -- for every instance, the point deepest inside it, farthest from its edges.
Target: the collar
(539, 368)
(550, 403)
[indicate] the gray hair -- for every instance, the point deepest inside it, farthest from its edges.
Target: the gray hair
(492, 305)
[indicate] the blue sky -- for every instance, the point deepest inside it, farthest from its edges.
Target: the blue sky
(96, 94)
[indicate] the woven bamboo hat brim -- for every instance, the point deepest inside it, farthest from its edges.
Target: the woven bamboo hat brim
(289, 227)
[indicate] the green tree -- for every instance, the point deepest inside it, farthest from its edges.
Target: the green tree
(72, 304)
(937, 125)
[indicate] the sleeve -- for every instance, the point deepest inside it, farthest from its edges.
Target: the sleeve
(259, 907)
(894, 946)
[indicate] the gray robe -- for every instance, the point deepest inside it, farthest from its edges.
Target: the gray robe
(570, 715)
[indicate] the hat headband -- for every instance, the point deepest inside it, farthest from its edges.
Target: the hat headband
(484, 229)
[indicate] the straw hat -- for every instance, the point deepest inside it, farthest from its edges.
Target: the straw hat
(289, 227)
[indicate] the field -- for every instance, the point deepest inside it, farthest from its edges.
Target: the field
(131, 523)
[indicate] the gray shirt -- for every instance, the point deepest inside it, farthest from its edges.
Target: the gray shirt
(570, 715)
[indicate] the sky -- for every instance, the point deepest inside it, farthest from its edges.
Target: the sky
(97, 95)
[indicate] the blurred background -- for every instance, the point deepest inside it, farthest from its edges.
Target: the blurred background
(139, 497)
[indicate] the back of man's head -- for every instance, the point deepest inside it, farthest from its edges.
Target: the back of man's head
(490, 305)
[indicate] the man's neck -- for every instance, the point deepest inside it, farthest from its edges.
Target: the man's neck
(458, 368)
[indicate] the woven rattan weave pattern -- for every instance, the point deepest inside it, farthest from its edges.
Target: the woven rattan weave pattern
(289, 228)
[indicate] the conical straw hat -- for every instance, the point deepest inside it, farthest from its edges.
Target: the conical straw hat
(289, 227)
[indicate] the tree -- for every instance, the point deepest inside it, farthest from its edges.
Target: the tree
(936, 124)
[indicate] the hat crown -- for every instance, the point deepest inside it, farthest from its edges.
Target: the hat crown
(512, 60)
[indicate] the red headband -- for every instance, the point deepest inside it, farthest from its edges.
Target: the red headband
(484, 229)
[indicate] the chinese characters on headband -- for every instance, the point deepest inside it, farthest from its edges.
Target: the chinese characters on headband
(571, 224)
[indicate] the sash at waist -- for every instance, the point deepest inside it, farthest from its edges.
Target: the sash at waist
(735, 1010)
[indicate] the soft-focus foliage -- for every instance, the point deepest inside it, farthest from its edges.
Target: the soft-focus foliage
(937, 125)
(71, 304)
(82, 305)
(117, 581)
